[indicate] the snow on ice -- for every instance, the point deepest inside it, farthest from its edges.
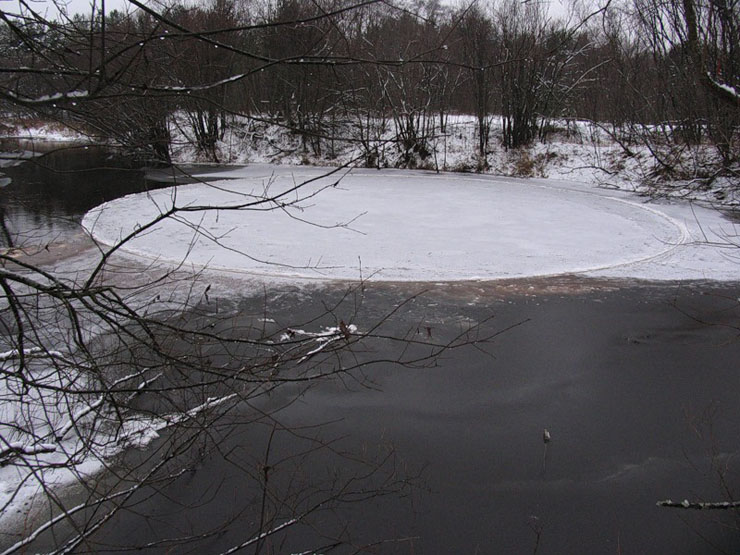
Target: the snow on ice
(400, 225)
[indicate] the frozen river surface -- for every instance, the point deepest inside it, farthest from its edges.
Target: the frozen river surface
(418, 226)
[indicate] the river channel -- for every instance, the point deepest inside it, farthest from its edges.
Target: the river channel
(637, 384)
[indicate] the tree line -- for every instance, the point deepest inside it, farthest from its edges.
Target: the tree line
(649, 71)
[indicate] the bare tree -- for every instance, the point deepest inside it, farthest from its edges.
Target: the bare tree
(114, 355)
(695, 102)
(110, 358)
(478, 49)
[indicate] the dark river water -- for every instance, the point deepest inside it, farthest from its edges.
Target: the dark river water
(47, 195)
(638, 385)
(641, 402)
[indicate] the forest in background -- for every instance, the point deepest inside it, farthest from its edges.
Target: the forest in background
(661, 75)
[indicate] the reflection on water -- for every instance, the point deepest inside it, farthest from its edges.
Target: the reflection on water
(47, 194)
(14, 151)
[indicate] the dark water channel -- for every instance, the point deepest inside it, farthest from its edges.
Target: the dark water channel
(640, 399)
(48, 187)
(46, 196)
(638, 384)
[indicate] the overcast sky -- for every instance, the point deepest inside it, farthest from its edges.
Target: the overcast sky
(73, 6)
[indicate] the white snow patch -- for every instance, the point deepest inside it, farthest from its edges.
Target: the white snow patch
(46, 98)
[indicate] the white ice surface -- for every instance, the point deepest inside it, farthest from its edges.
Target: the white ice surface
(422, 226)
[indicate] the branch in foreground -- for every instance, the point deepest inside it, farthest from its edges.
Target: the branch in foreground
(697, 505)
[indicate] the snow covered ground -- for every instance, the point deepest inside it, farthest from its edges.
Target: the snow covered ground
(15, 128)
(573, 150)
(420, 226)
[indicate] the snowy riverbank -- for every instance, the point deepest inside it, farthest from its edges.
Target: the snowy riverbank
(571, 150)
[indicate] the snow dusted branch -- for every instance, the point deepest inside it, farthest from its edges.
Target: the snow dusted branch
(698, 505)
(47, 98)
(727, 92)
(38, 352)
(17, 449)
(272, 531)
(210, 403)
(64, 430)
(265, 534)
(323, 338)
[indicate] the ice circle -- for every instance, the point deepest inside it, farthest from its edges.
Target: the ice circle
(385, 225)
